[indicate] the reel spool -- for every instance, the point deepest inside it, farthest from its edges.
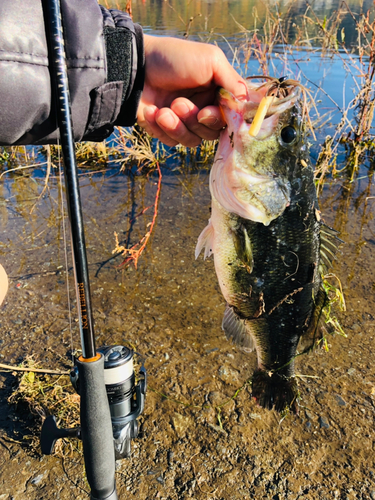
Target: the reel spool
(125, 397)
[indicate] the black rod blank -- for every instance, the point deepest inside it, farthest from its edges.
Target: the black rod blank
(59, 77)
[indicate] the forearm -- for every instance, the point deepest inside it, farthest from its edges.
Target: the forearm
(103, 91)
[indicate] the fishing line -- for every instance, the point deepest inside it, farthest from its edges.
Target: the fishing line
(65, 252)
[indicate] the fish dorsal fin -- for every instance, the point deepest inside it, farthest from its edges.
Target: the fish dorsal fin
(242, 245)
(235, 329)
(205, 240)
(329, 243)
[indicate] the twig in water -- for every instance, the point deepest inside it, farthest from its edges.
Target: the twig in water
(132, 254)
(36, 370)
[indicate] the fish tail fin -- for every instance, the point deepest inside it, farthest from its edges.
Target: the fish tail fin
(272, 390)
(205, 240)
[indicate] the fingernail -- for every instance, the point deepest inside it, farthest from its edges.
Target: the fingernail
(149, 112)
(182, 109)
(208, 121)
(166, 121)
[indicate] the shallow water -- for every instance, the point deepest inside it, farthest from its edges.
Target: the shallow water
(170, 309)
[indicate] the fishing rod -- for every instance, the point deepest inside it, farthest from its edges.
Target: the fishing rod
(110, 399)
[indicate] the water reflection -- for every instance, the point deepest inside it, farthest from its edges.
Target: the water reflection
(228, 17)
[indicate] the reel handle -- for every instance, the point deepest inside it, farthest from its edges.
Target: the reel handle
(51, 433)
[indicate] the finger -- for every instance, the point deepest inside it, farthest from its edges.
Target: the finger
(188, 112)
(171, 124)
(152, 128)
(211, 117)
(224, 75)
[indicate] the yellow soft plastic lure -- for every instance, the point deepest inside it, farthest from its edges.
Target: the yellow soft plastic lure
(260, 115)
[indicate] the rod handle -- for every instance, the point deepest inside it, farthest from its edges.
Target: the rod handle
(96, 430)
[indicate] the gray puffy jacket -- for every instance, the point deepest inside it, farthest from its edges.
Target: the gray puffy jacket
(105, 60)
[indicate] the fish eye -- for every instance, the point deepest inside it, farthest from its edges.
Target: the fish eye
(288, 134)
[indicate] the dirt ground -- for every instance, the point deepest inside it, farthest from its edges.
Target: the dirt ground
(170, 309)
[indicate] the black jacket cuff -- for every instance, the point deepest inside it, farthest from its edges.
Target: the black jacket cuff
(116, 101)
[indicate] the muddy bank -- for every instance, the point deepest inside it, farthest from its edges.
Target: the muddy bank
(170, 309)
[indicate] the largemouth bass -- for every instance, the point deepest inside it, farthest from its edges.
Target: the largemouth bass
(266, 234)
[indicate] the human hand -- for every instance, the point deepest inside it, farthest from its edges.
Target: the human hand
(177, 104)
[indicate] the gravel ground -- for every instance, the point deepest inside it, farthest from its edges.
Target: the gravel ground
(170, 309)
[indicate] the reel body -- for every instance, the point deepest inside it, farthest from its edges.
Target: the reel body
(125, 395)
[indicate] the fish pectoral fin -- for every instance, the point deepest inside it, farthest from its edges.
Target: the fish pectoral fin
(329, 243)
(242, 244)
(205, 240)
(235, 329)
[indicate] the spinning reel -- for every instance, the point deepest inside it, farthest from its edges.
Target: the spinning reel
(126, 399)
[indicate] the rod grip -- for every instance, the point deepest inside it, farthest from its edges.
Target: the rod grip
(96, 430)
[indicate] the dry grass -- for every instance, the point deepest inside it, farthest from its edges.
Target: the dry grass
(41, 395)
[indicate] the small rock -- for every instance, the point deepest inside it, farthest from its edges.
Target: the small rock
(227, 374)
(340, 401)
(323, 422)
(37, 479)
(160, 480)
(351, 371)
(309, 415)
(217, 428)
(170, 457)
(221, 449)
(216, 398)
(181, 423)
(320, 397)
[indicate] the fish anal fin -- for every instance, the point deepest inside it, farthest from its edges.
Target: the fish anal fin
(235, 329)
(313, 334)
(205, 240)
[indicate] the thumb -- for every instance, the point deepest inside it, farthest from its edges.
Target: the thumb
(227, 77)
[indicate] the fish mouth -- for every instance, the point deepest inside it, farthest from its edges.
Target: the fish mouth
(284, 91)
(281, 92)
(263, 100)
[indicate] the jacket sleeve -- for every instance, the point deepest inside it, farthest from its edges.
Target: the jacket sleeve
(105, 59)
